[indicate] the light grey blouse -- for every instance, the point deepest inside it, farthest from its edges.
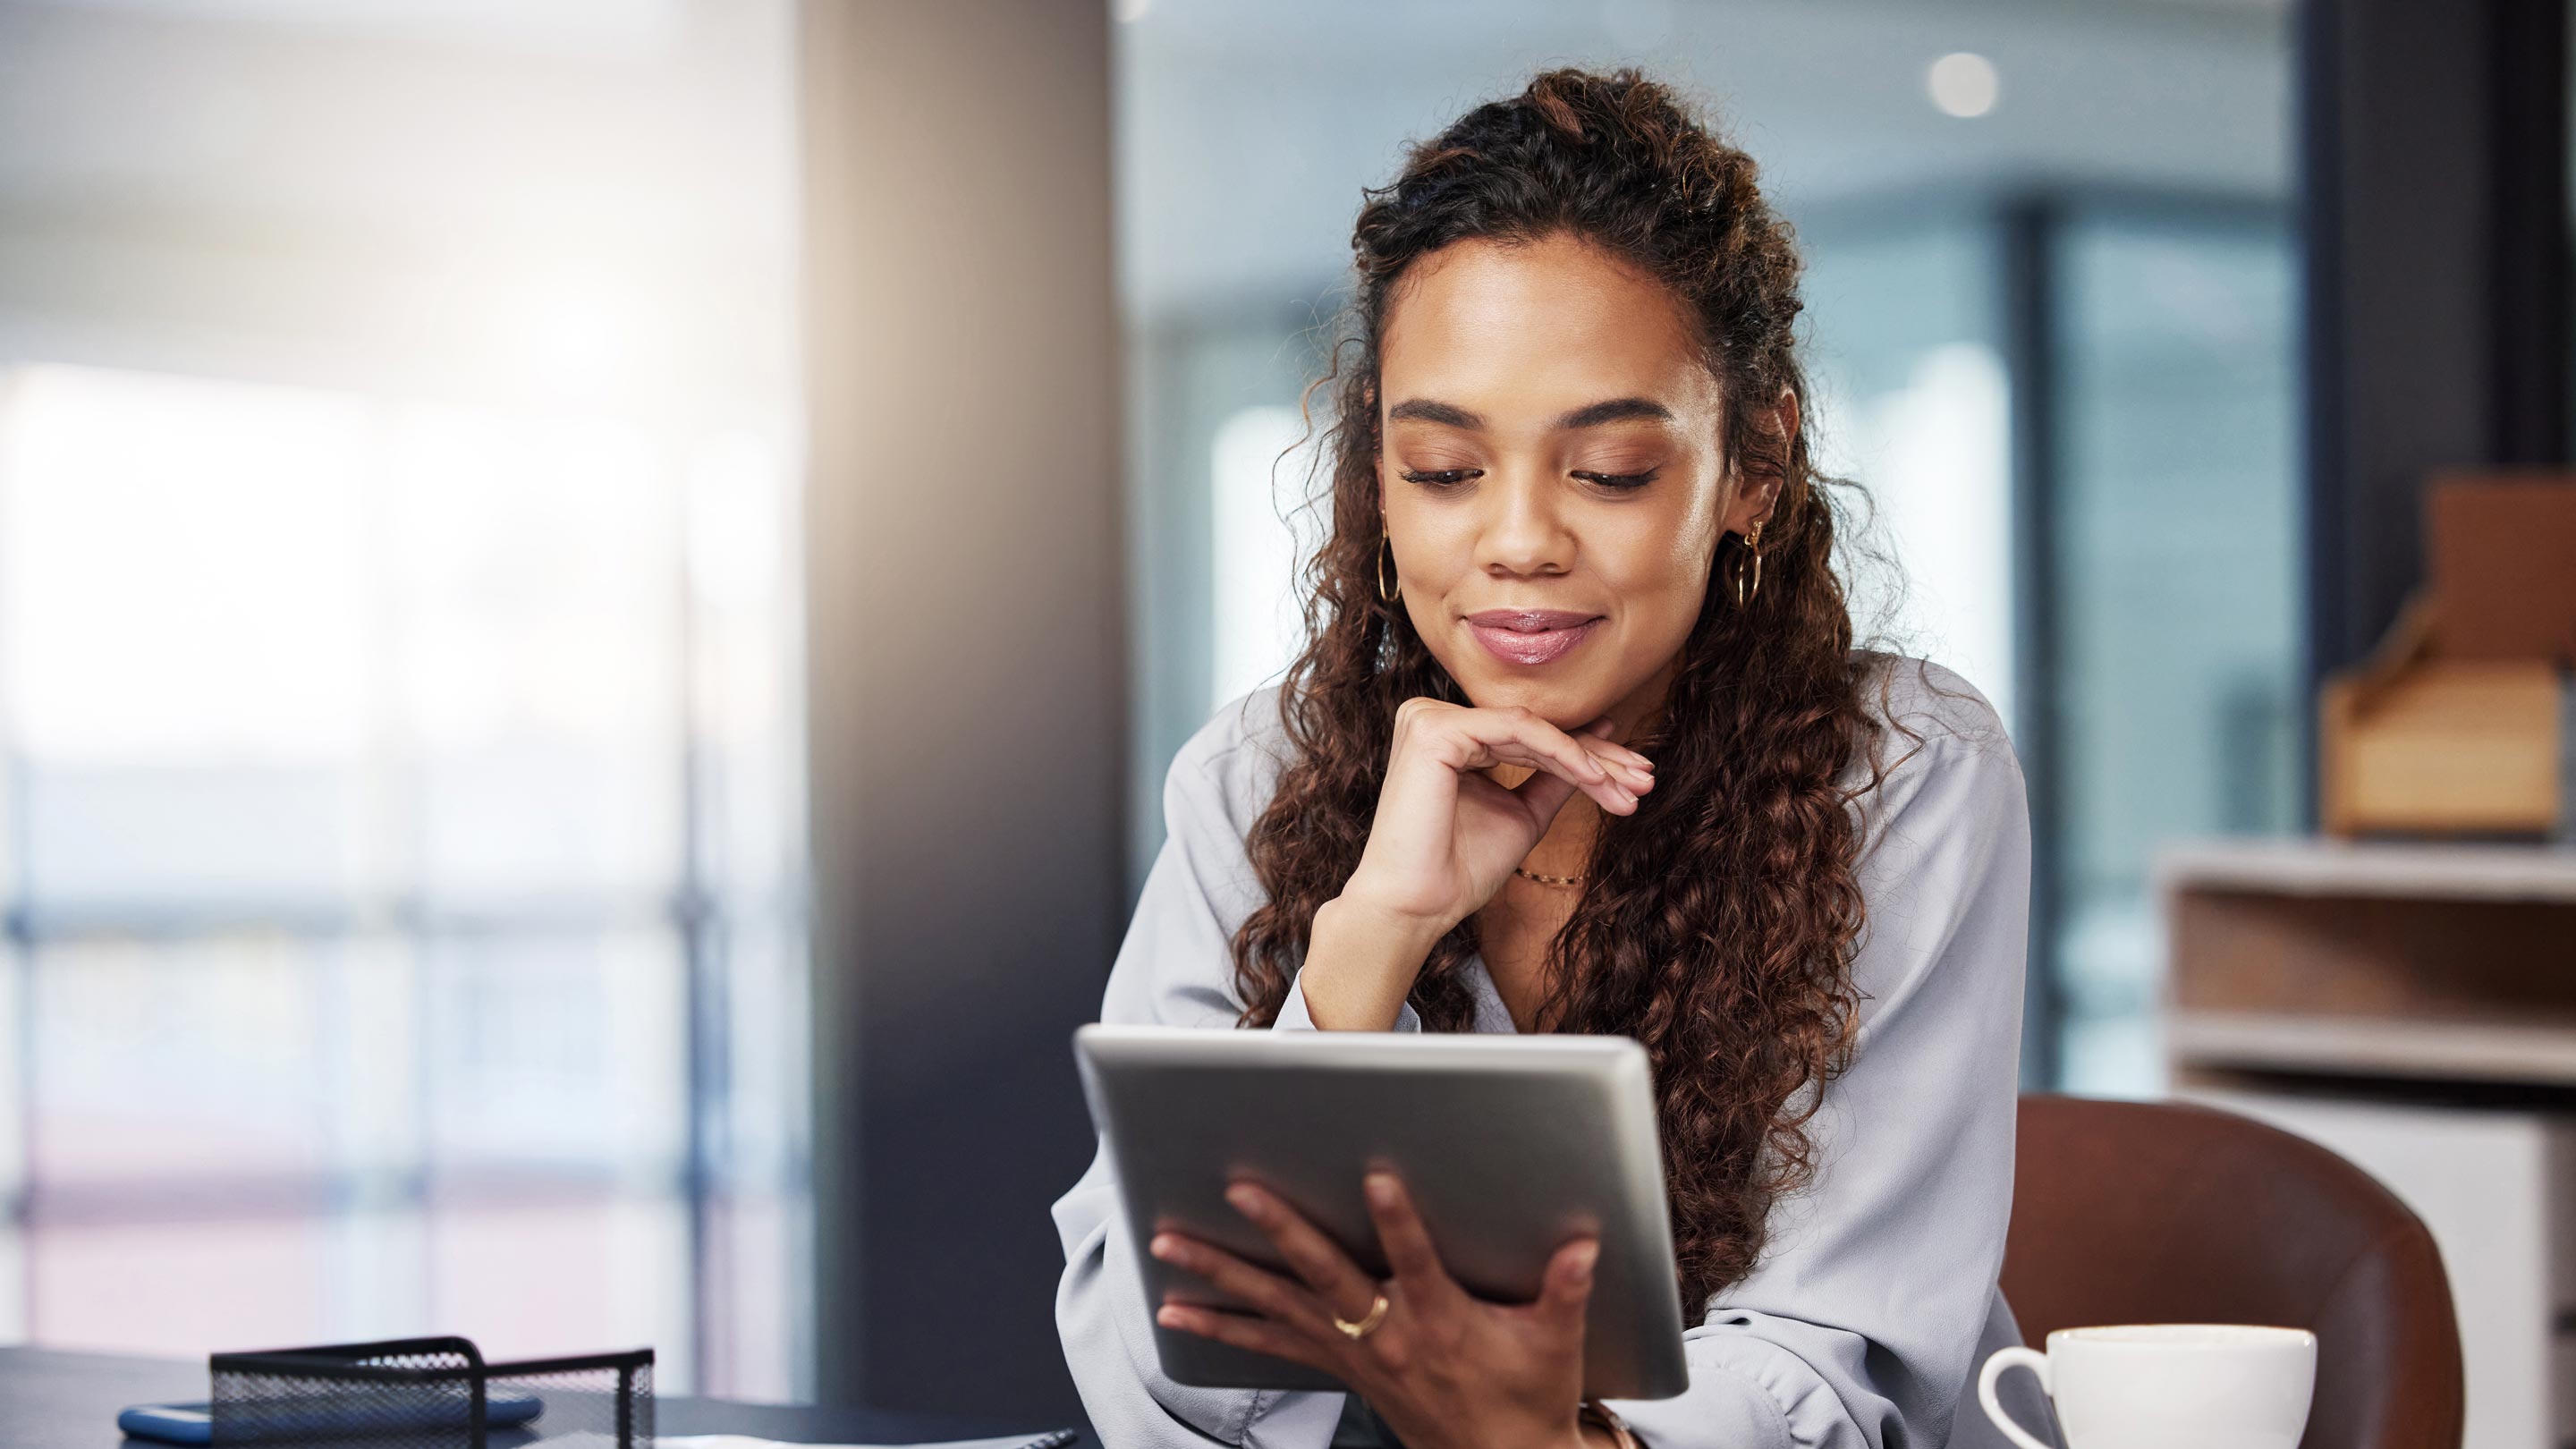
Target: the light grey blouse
(1875, 1298)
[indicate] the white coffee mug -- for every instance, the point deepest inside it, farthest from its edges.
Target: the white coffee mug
(2158, 1385)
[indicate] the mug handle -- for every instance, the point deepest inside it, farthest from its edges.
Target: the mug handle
(2000, 1360)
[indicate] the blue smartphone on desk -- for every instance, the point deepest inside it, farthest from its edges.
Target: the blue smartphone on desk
(195, 1423)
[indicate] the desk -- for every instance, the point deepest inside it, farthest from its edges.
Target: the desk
(53, 1400)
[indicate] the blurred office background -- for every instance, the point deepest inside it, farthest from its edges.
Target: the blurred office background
(527, 812)
(399, 626)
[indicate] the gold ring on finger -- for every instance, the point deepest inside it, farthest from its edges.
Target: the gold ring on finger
(1367, 1325)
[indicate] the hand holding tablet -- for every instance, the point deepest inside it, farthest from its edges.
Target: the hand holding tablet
(1415, 1328)
(1515, 1194)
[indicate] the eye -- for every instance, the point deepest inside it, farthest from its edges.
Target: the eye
(1442, 477)
(1619, 482)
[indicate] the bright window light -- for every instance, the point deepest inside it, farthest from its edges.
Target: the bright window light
(347, 739)
(184, 568)
(1262, 532)
(1943, 485)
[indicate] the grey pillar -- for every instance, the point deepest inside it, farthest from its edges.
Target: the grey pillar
(2435, 213)
(966, 676)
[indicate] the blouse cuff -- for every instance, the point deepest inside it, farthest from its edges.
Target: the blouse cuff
(1293, 1017)
(1746, 1393)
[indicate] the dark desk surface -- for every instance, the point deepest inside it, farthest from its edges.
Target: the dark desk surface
(53, 1400)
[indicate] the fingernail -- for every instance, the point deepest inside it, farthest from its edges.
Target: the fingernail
(1164, 1248)
(1168, 1316)
(1584, 1259)
(1625, 794)
(1245, 1200)
(1381, 1189)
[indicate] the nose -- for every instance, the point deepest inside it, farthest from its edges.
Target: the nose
(1525, 531)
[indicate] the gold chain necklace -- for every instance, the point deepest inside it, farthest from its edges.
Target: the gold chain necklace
(1554, 880)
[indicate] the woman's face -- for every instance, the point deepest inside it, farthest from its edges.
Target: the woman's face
(1553, 471)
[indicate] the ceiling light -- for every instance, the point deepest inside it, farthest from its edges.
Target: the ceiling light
(1963, 83)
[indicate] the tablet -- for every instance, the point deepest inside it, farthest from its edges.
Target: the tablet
(324, 1416)
(1510, 1145)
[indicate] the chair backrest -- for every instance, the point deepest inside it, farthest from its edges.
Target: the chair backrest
(2140, 1212)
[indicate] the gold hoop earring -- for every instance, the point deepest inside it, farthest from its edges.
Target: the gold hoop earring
(1752, 560)
(1390, 587)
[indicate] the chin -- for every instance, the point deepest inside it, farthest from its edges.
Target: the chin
(1564, 703)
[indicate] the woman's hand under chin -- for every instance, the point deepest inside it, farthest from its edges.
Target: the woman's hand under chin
(1444, 1369)
(1445, 838)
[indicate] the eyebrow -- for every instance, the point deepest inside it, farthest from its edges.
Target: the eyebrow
(1591, 415)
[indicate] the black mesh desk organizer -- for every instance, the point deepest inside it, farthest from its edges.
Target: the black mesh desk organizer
(430, 1393)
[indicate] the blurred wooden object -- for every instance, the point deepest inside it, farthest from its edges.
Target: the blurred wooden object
(2414, 741)
(2435, 961)
(2503, 565)
(2459, 723)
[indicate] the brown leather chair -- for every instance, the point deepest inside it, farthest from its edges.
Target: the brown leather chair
(2138, 1212)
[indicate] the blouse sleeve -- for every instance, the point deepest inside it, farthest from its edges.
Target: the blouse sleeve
(1858, 1325)
(1176, 968)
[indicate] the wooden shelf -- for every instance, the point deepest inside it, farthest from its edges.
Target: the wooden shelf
(2461, 1051)
(2422, 959)
(2422, 871)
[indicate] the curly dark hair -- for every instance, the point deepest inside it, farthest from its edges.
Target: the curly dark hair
(1720, 920)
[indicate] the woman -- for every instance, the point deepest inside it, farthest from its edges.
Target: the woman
(1579, 742)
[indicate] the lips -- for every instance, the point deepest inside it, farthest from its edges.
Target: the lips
(1531, 636)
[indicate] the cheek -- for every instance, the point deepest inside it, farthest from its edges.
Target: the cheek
(1435, 545)
(1661, 571)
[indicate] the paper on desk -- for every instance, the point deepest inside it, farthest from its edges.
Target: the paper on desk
(748, 1442)
(743, 1441)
